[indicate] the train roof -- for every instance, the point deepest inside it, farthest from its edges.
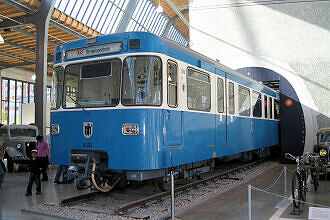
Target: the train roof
(152, 43)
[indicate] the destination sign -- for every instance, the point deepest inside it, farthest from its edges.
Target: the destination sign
(93, 50)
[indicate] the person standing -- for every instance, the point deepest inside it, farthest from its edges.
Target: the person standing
(34, 168)
(2, 167)
(43, 155)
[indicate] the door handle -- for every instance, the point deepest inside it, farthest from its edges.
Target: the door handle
(251, 125)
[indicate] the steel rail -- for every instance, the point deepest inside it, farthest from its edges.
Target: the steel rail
(135, 204)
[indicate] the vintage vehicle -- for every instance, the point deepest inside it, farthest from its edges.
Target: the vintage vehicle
(323, 144)
(17, 141)
(132, 105)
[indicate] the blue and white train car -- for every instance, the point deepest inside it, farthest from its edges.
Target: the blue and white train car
(134, 104)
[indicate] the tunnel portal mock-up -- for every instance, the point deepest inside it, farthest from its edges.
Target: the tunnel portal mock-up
(292, 115)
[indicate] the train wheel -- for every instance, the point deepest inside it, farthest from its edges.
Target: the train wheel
(103, 182)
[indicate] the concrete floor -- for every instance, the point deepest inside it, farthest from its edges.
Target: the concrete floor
(13, 199)
(233, 205)
(229, 205)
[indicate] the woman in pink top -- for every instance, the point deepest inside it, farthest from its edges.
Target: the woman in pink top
(43, 155)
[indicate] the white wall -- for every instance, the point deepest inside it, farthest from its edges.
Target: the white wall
(293, 38)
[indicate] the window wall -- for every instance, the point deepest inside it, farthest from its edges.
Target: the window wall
(14, 93)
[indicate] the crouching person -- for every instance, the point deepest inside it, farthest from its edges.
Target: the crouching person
(35, 170)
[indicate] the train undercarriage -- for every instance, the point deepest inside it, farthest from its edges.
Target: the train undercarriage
(90, 169)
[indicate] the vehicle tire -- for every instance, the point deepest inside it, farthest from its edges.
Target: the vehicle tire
(304, 187)
(296, 190)
(10, 164)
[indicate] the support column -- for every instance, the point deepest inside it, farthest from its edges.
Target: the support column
(127, 16)
(41, 20)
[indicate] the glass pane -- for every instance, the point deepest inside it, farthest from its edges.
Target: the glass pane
(4, 87)
(198, 91)
(172, 84)
(92, 91)
(265, 107)
(4, 112)
(25, 92)
(31, 93)
(19, 92)
(220, 95)
(11, 112)
(48, 94)
(18, 113)
(231, 100)
(12, 87)
(270, 108)
(22, 132)
(244, 101)
(256, 104)
(142, 81)
(57, 88)
(276, 109)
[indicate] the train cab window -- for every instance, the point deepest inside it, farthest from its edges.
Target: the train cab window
(198, 91)
(231, 98)
(256, 104)
(271, 116)
(220, 95)
(265, 106)
(276, 109)
(172, 84)
(142, 81)
(244, 103)
(96, 84)
(57, 87)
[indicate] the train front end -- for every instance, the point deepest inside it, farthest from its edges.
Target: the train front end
(105, 116)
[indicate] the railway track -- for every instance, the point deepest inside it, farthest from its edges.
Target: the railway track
(131, 203)
(223, 175)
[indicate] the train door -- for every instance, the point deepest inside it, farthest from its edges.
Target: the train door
(221, 127)
(172, 117)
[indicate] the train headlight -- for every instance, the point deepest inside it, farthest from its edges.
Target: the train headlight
(19, 146)
(54, 129)
(130, 129)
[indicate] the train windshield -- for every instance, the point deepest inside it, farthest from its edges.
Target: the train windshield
(92, 84)
(142, 81)
(57, 84)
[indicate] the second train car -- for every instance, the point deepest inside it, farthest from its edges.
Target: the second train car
(128, 106)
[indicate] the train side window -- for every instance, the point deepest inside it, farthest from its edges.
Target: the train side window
(265, 106)
(220, 95)
(256, 104)
(172, 84)
(271, 116)
(276, 109)
(198, 91)
(244, 103)
(231, 98)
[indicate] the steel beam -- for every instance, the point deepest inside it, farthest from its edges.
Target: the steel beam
(50, 58)
(26, 61)
(32, 35)
(127, 16)
(28, 10)
(172, 21)
(7, 65)
(15, 57)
